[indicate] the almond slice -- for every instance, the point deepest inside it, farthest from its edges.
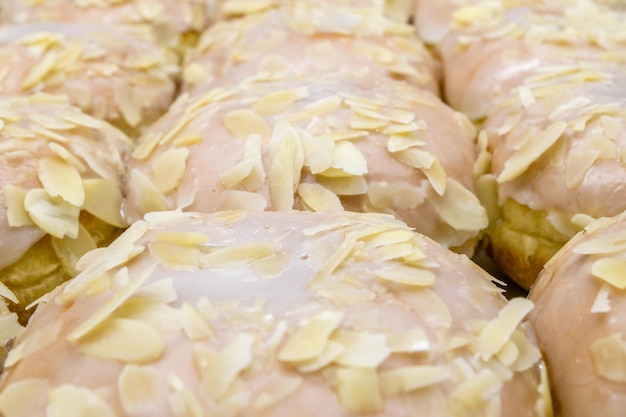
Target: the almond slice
(53, 215)
(361, 349)
(311, 338)
(73, 401)
(61, 179)
(608, 356)
(359, 390)
(243, 123)
(411, 378)
(103, 199)
(168, 168)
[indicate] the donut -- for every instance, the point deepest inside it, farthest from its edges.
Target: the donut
(60, 192)
(172, 23)
(294, 42)
(494, 46)
(579, 320)
(557, 161)
(275, 314)
(111, 75)
(325, 143)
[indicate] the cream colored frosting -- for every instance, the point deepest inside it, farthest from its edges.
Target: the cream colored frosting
(297, 42)
(579, 318)
(328, 143)
(54, 162)
(168, 20)
(559, 144)
(494, 47)
(271, 314)
(111, 75)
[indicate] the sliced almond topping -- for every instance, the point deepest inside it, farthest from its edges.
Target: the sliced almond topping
(7, 293)
(233, 176)
(359, 390)
(17, 216)
(410, 341)
(17, 398)
(340, 135)
(182, 400)
(499, 330)
(361, 349)
(276, 389)
(428, 163)
(473, 397)
(608, 355)
(151, 311)
(69, 250)
(528, 354)
(219, 375)
(53, 215)
(311, 338)
(122, 339)
(188, 139)
(103, 199)
(41, 69)
(390, 237)
(601, 303)
(242, 123)
(407, 275)
(526, 96)
(316, 108)
(604, 244)
(286, 162)
(360, 122)
(336, 259)
(67, 156)
(168, 168)
(61, 179)
(318, 153)
(400, 142)
(238, 255)
(138, 386)
(278, 101)
(611, 271)
(148, 196)
(329, 354)
(123, 93)
(611, 127)
(194, 325)
(73, 401)
(531, 150)
(577, 165)
(348, 158)
(411, 378)
(319, 199)
(242, 200)
(344, 186)
(460, 208)
(175, 255)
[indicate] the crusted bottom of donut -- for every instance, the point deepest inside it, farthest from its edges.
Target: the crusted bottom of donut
(39, 271)
(522, 241)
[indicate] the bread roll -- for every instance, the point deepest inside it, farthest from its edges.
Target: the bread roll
(558, 150)
(275, 314)
(60, 192)
(111, 75)
(495, 45)
(172, 23)
(580, 322)
(327, 143)
(298, 41)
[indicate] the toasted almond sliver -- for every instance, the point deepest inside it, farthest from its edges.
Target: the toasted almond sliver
(233, 359)
(608, 356)
(605, 244)
(331, 352)
(243, 123)
(194, 325)
(17, 216)
(61, 179)
(310, 340)
(39, 71)
(276, 102)
(287, 160)
(138, 386)
(73, 401)
(69, 250)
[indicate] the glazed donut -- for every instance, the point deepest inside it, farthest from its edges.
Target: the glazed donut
(494, 46)
(275, 314)
(308, 42)
(172, 23)
(557, 155)
(109, 74)
(60, 192)
(327, 143)
(579, 320)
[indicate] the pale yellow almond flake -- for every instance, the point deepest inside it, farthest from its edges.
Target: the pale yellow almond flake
(610, 270)
(402, 274)
(286, 162)
(460, 208)
(17, 216)
(7, 293)
(361, 122)
(311, 338)
(348, 158)
(344, 186)
(530, 151)
(61, 179)
(148, 196)
(318, 153)
(400, 142)
(361, 349)
(428, 163)
(242, 123)
(181, 238)
(18, 398)
(103, 199)
(611, 127)
(237, 255)
(473, 397)
(608, 355)
(329, 354)
(53, 215)
(67, 156)
(413, 340)
(122, 339)
(74, 401)
(233, 176)
(278, 101)
(38, 72)
(577, 164)
(168, 168)
(605, 244)
(138, 387)
(499, 330)
(602, 304)
(411, 378)
(194, 325)
(358, 390)
(318, 198)
(319, 107)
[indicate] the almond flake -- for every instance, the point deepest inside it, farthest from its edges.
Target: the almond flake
(194, 325)
(526, 96)
(390, 237)
(237, 255)
(220, 374)
(602, 245)
(53, 215)
(601, 303)
(361, 122)
(67, 156)
(473, 396)
(103, 199)
(331, 351)
(148, 196)
(276, 389)
(608, 355)
(73, 401)
(61, 179)
(499, 330)
(152, 312)
(413, 340)
(122, 339)
(344, 135)
(344, 186)
(348, 158)
(126, 102)
(41, 69)
(242, 200)
(278, 101)
(531, 150)
(358, 390)
(242, 123)
(168, 168)
(411, 378)
(286, 162)
(319, 199)
(69, 250)
(18, 398)
(460, 208)
(428, 163)
(183, 402)
(316, 108)
(407, 275)
(577, 164)
(361, 349)
(233, 176)
(17, 216)
(175, 255)
(611, 271)
(400, 142)
(336, 259)
(138, 388)
(318, 153)
(528, 354)
(311, 338)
